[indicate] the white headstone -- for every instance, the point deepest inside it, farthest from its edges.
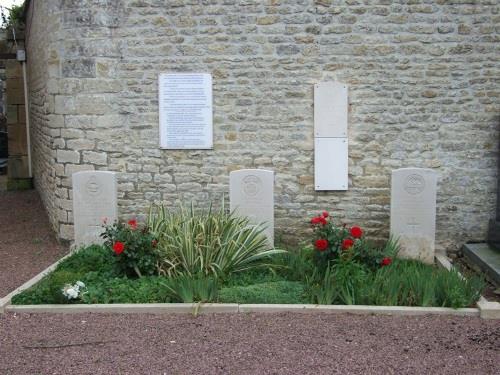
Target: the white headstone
(413, 212)
(94, 200)
(251, 194)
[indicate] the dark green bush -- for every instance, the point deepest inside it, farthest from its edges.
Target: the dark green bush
(412, 283)
(188, 289)
(147, 289)
(75, 268)
(135, 249)
(48, 290)
(268, 292)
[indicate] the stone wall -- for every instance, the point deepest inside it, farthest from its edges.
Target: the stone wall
(43, 35)
(18, 164)
(423, 88)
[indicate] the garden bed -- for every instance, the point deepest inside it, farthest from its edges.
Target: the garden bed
(97, 269)
(217, 262)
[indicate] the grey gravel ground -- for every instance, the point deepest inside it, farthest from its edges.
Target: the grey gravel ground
(286, 343)
(27, 243)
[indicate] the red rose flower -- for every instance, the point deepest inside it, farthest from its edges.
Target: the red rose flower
(132, 223)
(325, 214)
(386, 261)
(318, 220)
(118, 247)
(347, 244)
(321, 244)
(154, 243)
(315, 220)
(356, 232)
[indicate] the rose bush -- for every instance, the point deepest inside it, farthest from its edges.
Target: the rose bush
(135, 248)
(333, 242)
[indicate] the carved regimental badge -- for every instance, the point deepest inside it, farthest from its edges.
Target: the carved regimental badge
(414, 184)
(252, 185)
(92, 186)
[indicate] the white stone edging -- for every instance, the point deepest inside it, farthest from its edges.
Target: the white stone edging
(202, 308)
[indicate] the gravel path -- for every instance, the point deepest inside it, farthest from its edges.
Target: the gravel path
(27, 243)
(286, 343)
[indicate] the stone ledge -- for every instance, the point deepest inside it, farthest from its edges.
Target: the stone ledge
(360, 309)
(488, 310)
(202, 308)
(127, 308)
(486, 258)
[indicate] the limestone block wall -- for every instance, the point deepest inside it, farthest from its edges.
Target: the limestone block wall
(423, 91)
(46, 127)
(18, 165)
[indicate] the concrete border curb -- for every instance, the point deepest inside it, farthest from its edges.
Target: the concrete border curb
(488, 310)
(128, 308)
(205, 308)
(361, 309)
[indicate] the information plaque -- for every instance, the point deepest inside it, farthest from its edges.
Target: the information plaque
(185, 102)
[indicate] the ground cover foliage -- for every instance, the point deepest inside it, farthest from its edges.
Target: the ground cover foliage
(207, 256)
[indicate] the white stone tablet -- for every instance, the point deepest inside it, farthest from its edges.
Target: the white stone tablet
(251, 194)
(413, 212)
(330, 110)
(94, 199)
(185, 104)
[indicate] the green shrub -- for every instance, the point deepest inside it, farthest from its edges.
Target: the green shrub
(412, 283)
(341, 283)
(207, 242)
(147, 289)
(252, 276)
(186, 288)
(334, 241)
(134, 248)
(296, 265)
(349, 278)
(48, 290)
(268, 292)
(74, 268)
(94, 258)
(321, 287)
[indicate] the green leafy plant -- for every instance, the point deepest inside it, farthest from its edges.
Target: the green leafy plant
(412, 283)
(333, 242)
(296, 264)
(267, 292)
(135, 249)
(349, 278)
(207, 242)
(48, 290)
(186, 288)
(321, 287)
(107, 289)
(341, 283)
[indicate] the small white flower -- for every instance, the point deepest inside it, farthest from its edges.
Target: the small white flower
(80, 284)
(72, 293)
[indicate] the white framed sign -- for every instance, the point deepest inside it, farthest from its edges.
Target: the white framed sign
(185, 103)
